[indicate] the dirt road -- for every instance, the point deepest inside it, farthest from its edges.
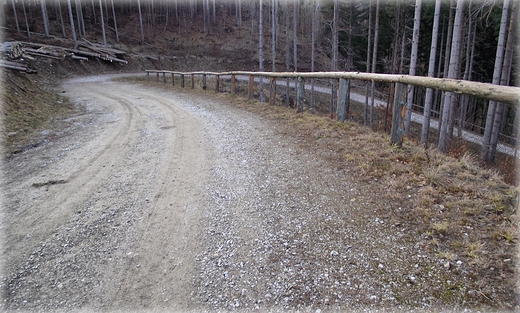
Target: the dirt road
(166, 200)
(107, 213)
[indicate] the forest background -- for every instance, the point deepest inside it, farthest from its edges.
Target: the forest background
(459, 39)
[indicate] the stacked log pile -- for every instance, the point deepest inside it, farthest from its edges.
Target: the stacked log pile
(11, 50)
(13, 53)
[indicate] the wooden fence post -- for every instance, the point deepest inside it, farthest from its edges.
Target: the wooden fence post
(173, 79)
(192, 81)
(233, 87)
(164, 77)
(343, 99)
(182, 80)
(272, 96)
(148, 75)
(217, 83)
(399, 113)
(203, 81)
(251, 83)
(299, 95)
(157, 76)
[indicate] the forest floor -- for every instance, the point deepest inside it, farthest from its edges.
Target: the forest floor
(190, 200)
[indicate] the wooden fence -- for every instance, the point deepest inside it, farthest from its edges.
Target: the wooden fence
(505, 94)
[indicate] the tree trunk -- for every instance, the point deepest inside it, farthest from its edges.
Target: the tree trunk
(79, 17)
(239, 11)
(273, 36)
(295, 35)
(261, 50)
(287, 54)
(447, 112)
(447, 53)
(102, 23)
(413, 64)
(393, 69)
(62, 23)
(115, 22)
(15, 16)
(470, 48)
(45, 18)
(140, 21)
(26, 20)
(335, 50)
(374, 63)
(485, 154)
(315, 7)
(369, 44)
(431, 73)
(504, 80)
(73, 29)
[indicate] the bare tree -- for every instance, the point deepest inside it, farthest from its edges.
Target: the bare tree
(102, 23)
(261, 50)
(287, 53)
(73, 29)
(45, 18)
(431, 73)
(15, 16)
(504, 80)
(273, 34)
(315, 8)
(485, 155)
(26, 20)
(295, 35)
(62, 23)
(140, 20)
(413, 64)
(374, 63)
(444, 137)
(335, 51)
(369, 45)
(115, 22)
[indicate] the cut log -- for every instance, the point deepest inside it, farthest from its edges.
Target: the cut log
(11, 50)
(43, 51)
(75, 57)
(16, 66)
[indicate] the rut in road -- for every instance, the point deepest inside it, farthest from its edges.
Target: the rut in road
(122, 227)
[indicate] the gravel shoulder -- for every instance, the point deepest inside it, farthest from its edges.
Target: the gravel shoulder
(165, 200)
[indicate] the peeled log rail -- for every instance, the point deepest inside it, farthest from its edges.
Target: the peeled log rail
(506, 94)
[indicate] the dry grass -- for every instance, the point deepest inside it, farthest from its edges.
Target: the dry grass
(27, 110)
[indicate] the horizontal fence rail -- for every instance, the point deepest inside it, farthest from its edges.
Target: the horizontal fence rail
(504, 94)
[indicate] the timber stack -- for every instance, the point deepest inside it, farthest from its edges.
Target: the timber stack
(14, 53)
(11, 57)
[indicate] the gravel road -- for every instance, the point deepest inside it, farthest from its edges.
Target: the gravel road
(163, 200)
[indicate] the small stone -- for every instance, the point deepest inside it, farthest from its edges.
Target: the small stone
(459, 262)
(334, 253)
(447, 265)
(380, 266)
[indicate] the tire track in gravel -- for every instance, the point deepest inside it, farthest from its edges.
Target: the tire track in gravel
(120, 234)
(166, 243)
(81, 181)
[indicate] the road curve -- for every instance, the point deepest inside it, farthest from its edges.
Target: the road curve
(108, 211)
